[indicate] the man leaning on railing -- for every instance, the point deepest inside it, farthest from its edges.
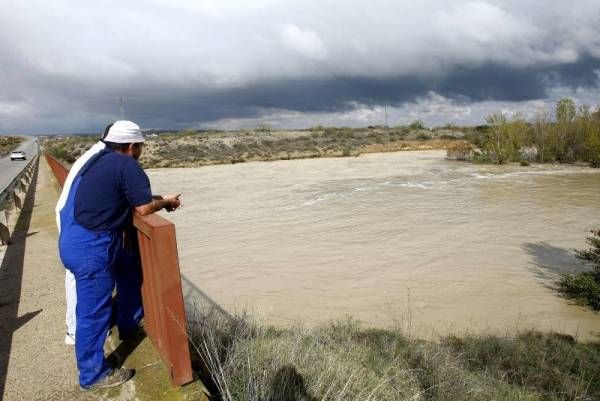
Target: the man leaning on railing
(96, 205)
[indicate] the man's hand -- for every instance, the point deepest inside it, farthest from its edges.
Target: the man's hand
(167, 202)
(174, 202)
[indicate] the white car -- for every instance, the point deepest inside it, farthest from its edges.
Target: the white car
(17, 155)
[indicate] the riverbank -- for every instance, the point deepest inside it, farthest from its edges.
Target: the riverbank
(344, 361)
(196, 149)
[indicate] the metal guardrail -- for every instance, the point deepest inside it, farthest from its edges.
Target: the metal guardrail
(19, 184)
(162, 294)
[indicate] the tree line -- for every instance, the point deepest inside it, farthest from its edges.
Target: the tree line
(571, 135)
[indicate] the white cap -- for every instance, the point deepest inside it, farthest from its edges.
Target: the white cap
(124, 132)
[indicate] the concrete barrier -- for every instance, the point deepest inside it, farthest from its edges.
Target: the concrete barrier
(162, 294)
(13, 195)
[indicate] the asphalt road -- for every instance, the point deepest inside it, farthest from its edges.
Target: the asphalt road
(9, 169)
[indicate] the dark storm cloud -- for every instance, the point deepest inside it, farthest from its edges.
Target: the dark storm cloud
(182, 63)
(464, 85)
(505, 83)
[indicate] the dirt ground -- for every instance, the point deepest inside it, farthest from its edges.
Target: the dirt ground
(34, 362)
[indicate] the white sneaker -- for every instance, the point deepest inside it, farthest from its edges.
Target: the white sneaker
(69, 339)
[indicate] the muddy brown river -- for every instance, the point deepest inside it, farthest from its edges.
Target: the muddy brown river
(403, 239)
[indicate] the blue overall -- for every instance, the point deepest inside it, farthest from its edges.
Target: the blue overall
(98, 262)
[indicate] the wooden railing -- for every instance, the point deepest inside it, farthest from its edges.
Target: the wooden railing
(162, 295)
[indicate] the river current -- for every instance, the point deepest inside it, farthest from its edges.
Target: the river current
(404, 239)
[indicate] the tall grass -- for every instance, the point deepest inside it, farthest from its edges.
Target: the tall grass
(344, 361)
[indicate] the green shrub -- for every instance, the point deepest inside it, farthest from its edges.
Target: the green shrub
(584, 288)
(574, 135)
(398, 135)
(61, 153)
(555, 365)
(187, 133)
(417, 124)
(263, 128)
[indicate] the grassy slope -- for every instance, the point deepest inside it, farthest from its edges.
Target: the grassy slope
(342, 361)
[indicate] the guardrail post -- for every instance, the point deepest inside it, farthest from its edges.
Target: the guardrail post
(4, 231)
(17, 200)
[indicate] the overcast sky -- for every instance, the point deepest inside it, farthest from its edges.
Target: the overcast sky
(290, 64)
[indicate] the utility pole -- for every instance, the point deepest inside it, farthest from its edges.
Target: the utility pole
(386, 117)
(122, 106)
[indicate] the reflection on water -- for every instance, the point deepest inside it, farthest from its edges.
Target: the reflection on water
(391, 239)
